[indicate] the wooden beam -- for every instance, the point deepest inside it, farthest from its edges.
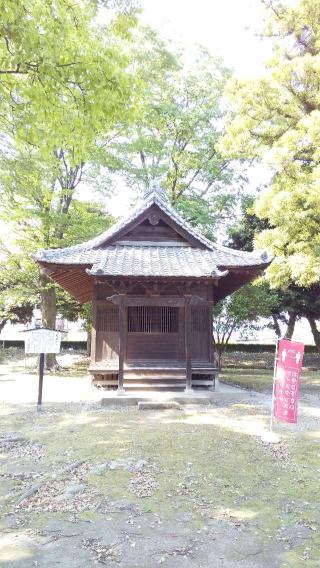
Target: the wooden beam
(197, 301)
(187, 327)
(146, 300)
(175, 301)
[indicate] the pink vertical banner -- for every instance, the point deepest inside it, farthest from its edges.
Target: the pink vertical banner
(287, 380)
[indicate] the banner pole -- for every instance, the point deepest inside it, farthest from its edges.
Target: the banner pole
(270, 437)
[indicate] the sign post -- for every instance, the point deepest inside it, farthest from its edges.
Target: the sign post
(41, 370)
(41, 341)
(286, 380)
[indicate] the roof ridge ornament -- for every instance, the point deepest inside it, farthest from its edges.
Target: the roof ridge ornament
(155, 190)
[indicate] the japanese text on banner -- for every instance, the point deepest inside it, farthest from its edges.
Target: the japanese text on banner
(287, 380)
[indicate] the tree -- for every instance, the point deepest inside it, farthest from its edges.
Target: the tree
(64, 85)
(304, 303)
(16, 287)
(276, 119)
(175, 135)
(291, 303)
(241, 235)
(61, 70)
(241, 310)
(22, 287)
(73, 311)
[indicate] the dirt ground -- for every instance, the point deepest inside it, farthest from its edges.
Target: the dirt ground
(83, 485)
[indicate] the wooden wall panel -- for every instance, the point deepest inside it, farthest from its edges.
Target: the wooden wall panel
(200, 340)
(148, 232)
(153, 347)
(107, 333)
(107, 345)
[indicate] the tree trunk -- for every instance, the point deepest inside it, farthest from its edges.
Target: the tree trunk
(49, 314)
(290, 326)
(88, 343)
(219, 351)
(315, 332)
(276, 326)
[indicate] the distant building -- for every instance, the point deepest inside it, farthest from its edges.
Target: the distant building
(73, 331)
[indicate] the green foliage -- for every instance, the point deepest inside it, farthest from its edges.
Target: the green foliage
(276, 118)
(72, 310)
(176, 132)
(206, 211)
(63, 76)
(241, 310)
(17, 284)
(20, 284)
(241, 235)
(293, 302)
(65, 83)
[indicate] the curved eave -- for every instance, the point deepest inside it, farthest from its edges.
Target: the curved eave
(235, 279)
(258, 266)
(73, 279)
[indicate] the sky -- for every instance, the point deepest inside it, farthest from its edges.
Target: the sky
(226, 27)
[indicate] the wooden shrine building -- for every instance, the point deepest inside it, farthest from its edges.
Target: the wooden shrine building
(153, 280)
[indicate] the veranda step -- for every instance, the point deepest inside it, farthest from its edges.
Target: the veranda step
(154, 378)
(151, 386)
(154, 372)
(202, 383)
(106, 383)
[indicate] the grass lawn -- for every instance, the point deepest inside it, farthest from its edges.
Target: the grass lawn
(255, 371)
(261, 380)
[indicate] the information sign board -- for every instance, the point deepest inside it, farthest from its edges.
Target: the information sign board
(42, 341)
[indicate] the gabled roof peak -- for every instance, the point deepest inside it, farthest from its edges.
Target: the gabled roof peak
(155, 192)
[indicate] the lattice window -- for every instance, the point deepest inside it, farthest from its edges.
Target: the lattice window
(153, 319)
(108, 319)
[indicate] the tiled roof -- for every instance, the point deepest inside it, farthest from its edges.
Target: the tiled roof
(164, 261)
(92, 253)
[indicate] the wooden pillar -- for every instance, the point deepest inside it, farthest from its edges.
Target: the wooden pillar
(94, 325)
(210, 334)
(187, 328)
(122, 339)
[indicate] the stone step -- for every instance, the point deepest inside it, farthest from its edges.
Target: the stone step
(158, 405)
